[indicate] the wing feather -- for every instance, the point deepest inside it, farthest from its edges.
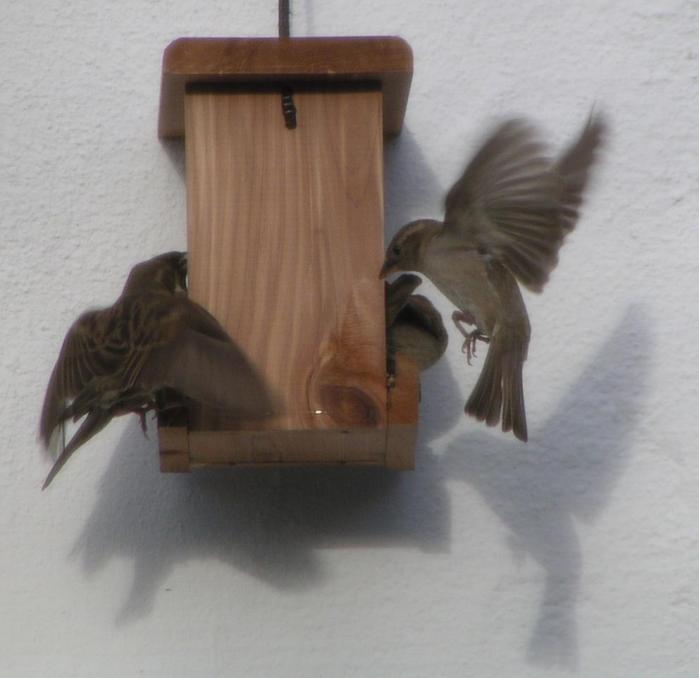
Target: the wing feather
(515, 204)
(73, 370)
(211, 371)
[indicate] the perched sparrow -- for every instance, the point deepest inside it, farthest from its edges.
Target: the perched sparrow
(505, 220)
(413, 325)
(132, 356)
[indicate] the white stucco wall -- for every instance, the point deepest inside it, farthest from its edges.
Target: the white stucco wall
(578, 552)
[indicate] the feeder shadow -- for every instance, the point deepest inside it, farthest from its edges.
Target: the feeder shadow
(410, 184)
(567, 471)
(269, 523)
(174, 149)
(264, 522)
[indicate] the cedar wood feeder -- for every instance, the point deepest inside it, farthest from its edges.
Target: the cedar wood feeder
(285, 242)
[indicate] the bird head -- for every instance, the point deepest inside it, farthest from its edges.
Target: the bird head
(422, 312)
(181, 265)
(397, 293)
(405, 251)
(167, 270)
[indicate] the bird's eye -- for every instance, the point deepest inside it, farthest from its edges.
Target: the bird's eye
(396, 250)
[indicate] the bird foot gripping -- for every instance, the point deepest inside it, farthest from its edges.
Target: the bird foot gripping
(470, 338)
(141, 412)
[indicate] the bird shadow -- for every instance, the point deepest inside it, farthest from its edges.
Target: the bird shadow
(265, 522)
(567, 472)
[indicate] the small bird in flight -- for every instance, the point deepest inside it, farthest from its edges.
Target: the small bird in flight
(505, 220)
(133, 356)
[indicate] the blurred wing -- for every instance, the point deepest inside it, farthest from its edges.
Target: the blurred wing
(573, 169)
(200, 320)
(210, 371)
(506, 204)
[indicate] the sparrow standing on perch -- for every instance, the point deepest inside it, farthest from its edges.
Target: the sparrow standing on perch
(414, 326)
(505, 220)
(132, 356)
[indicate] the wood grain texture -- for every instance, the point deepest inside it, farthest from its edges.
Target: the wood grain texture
(387, 61)
(173, 442)
(313, 447)
(393, 446)
(285, 238)
(285, 241)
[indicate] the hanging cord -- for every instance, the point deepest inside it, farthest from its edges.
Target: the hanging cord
(288, 108)
(284, 31)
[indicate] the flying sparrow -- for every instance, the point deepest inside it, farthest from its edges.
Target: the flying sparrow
(505, 220)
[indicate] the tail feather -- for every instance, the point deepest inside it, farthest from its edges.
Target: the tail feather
(499, 393)
(513, 415)
(485, 401)
(95, 421)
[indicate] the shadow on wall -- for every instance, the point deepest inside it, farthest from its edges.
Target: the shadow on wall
(567, 471)
(268, 522)
(174, 149)
(410, 184)
(265, 522)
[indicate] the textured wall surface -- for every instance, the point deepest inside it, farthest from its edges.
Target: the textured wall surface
(577, 553)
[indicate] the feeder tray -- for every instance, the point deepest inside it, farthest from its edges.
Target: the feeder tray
(285, 242)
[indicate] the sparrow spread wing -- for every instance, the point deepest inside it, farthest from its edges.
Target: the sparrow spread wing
(573, 169)
(141, 344)
(80, 360)
(203, 363)
(200, 320)
(103, 355)
(513, 203)
(210, 371)
(128, 357)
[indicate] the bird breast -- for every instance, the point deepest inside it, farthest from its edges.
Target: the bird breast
(461, 275)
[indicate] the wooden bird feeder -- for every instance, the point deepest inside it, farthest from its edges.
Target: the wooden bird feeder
(285, 241)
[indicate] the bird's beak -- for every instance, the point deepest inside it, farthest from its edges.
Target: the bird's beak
(387, 268)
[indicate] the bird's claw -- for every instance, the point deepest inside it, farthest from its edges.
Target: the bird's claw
(470, 338)
(142, 418)
(469, 345)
